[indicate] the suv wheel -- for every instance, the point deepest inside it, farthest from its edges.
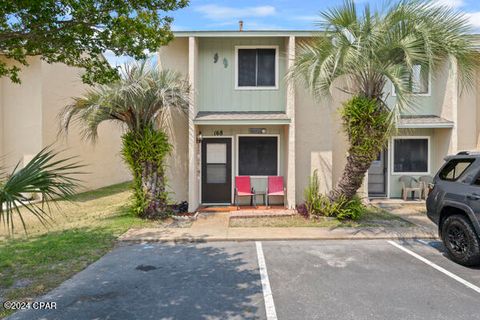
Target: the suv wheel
(460, 240)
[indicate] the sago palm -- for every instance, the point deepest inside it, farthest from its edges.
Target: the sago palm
(368, 49)
(142, 102)
(47, 175)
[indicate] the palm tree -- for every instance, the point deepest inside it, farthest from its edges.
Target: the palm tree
(143, 102)
(369, 49)
(46, 175)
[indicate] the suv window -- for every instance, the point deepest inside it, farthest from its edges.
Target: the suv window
(454, 169)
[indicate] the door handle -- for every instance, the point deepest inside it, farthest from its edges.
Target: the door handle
(473, 196)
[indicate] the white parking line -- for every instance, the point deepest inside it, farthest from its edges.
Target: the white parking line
(424, 242)
(267, 291)
(437, 267)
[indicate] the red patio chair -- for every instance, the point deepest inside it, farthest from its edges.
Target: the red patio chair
(243, 188)
(275, 188)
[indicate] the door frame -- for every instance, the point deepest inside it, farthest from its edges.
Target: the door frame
(201, 172)
(386, 173)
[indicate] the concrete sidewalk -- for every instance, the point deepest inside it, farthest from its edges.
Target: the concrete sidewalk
(414, 212)
(215, 227)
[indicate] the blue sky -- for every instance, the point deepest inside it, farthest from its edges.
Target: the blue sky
(274, 15)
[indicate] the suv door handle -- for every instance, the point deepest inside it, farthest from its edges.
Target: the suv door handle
(473, 196)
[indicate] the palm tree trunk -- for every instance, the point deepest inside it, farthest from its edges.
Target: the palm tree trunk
(352, 177)
(153, 184)
(366, 123)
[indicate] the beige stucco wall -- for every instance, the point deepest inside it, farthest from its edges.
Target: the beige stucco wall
(175, 57)
(22, 115)
(314, 142)
(468, 116)
(103, 159)
(30, 123)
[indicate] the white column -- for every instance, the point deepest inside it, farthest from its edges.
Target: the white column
(193, 177)
(290, 109)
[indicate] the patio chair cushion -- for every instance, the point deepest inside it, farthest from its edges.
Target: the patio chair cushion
(239, 193)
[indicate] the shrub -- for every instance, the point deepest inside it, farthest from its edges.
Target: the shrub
(353, 209)
(302, 210)
(317, 204)
(312, 194)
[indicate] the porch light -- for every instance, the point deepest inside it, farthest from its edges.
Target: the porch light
(199, 137)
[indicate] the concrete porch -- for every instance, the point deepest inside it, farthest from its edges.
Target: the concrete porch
(247, 211)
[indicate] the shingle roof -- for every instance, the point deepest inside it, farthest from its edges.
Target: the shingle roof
(423, 121)
(244, 117)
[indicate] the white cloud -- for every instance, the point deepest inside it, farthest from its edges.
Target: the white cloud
(474, 19)
(216, 12)
(450, 3)
(116, 60)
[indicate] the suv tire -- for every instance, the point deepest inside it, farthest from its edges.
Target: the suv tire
(460, 240)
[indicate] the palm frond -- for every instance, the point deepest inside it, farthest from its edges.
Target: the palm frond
(46, 175)
(144, 96)
(375, 48)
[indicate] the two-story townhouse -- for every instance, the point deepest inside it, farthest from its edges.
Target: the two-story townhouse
(245, 118)
(29, 122)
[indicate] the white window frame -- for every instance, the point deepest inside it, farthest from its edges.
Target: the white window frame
(429, 88)
(392, 156)
(237, 147)
(237, 87)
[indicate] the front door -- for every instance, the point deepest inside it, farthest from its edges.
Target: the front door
(216, 170)
(377, 180)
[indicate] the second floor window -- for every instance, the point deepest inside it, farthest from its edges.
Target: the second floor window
(418, 81)
(256, 68)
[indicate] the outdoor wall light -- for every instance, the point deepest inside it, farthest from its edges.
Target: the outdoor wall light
(215, 58)
(225, 63)
(199, 137)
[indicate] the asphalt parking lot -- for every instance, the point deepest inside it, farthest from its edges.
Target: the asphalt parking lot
(269, 280)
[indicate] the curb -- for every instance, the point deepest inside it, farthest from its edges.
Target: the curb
(225, 239)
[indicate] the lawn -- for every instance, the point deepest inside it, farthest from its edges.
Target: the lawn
(374, 217)
(81, 232)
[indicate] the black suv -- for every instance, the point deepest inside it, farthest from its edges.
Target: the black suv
(453, 204)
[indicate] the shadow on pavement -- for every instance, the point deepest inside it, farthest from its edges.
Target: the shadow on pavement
(162, 281)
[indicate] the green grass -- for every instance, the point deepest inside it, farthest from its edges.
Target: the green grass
(81, 232)
(372, 218)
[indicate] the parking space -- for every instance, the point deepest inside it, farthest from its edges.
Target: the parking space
(362, 280)
(268, 280)
(163, 281)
